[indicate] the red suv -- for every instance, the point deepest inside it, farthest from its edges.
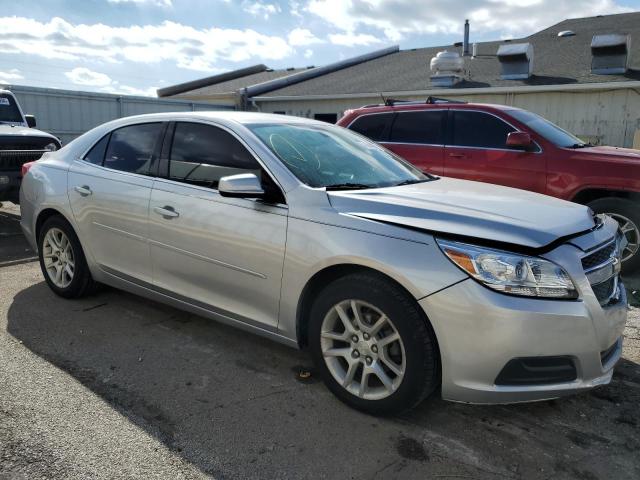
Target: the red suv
(512, 147)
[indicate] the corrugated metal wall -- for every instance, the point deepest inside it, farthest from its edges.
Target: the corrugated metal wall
(68, 114)
(603, 117)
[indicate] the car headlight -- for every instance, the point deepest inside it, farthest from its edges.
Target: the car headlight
(511, 272)
(51, 147)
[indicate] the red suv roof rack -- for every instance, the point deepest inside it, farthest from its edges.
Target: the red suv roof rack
(390, 102)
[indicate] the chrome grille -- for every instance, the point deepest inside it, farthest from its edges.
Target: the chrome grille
(602, 267)
(14, 159)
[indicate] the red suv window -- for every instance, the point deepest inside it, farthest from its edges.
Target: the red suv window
(480, 130)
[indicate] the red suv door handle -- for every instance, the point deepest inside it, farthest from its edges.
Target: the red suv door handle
(457, 155)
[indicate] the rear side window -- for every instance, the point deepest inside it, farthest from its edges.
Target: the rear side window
(96, 154)
(131, 148)
(373, 126)
(202, 154)
(477, 129)
(419, 127)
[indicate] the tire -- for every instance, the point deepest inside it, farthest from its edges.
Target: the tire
(75, 285)
(415, 354)
(626, 212)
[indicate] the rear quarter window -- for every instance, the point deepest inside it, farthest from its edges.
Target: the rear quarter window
(374, 126)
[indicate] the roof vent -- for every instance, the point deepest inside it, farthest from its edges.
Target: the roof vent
(516, 61)
(446, 69)
(566, 33)
(609, 54)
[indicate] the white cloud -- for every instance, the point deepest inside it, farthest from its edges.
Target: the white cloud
(187, 47)
(302, 37)
(397, 19)
(10, 76)
(102, 82)
(84, 76)
(261, 9)
(352, 39)
(159, 3)
(308, 53)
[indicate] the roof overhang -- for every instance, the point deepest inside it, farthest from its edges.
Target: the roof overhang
(459, 91)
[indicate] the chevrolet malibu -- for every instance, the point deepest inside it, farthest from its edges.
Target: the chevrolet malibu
(398, 282)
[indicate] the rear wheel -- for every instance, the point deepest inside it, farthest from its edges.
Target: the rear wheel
(627, 214)
(62, 260)
(373, 345)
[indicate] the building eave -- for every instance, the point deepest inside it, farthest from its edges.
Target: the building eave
(632, 84)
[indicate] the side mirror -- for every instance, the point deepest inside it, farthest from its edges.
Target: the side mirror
(520, 140)
(244, 185)
(31, 121)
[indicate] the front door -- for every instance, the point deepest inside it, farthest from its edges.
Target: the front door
(109, 190)
(224, 254)
(477, 150)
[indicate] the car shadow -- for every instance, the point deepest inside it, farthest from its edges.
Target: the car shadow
(235, 405)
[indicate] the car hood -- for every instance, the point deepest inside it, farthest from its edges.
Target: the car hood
(22, 132)
(469, 209)
(612, 152)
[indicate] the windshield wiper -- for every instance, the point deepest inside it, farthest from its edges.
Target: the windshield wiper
(348, 186)
(411, 182)
(581, 145)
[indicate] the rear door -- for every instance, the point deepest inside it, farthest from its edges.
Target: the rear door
(224, 254)
(419, 137)
(109, 190)
(476, 150)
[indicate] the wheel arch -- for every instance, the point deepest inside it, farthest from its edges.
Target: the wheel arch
(43, 216)
(330, 274)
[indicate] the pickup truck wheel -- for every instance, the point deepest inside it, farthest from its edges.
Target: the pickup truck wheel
(627, 214)
(62, 260)
(373, 345)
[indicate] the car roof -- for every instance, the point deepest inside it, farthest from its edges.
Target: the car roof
(403, 106)
(221, 115)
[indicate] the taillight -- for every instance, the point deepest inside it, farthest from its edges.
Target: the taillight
(25, 168)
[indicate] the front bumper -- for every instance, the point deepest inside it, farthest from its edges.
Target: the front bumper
(479, 331)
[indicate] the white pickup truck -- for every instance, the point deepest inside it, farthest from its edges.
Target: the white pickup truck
(20, 143)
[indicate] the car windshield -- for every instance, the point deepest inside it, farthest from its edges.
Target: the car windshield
(9, 111)
(550, 131)
(335, 158)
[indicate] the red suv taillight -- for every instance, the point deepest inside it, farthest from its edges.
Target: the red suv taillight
(25, 168)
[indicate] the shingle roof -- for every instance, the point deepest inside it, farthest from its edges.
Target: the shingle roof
(557, 60)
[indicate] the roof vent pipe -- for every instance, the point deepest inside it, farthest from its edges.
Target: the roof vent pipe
(465, 43)
(609, 54)
(516, 61)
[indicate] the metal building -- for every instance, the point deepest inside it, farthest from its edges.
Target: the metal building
(68, 114)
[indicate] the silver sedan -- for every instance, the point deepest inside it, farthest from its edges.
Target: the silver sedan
(397, 282)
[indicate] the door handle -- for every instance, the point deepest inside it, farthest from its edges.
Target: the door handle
(457, 155)
(166, 211)
(83, 190)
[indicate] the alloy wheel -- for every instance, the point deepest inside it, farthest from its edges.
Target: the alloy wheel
(363, 349)
(631, 231)
(59, 259)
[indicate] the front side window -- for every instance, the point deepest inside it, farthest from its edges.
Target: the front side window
(372, 126)
(333, 157)
(131, 148)
(9, 111)
(419, 127)
(546, 129)
(202, 155)
(481, 130)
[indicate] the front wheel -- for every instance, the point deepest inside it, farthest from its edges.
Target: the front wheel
(373, 345)
(627, 214)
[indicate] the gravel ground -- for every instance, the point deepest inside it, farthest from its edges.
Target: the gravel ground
(115, 386)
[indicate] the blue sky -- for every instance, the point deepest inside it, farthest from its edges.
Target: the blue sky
(136, 46)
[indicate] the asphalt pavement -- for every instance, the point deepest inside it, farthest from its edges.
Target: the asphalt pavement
(115, 386)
